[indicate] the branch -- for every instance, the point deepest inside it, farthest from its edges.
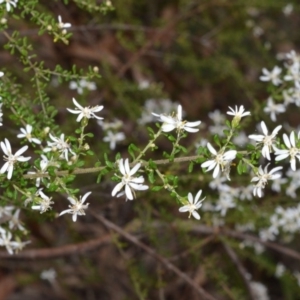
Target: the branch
(154, 254)
(242, 236)
(243, 272)
(51, 253)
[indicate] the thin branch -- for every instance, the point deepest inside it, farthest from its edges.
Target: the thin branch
(98, 169)
(243, 272)
(242, 236)
(51, 253)
(154, 254)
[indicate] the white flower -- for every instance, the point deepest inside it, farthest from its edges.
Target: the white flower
(49, 275)
(271, 75)
(112, 138)
(193, 205)
(10, 158)
(115, 125)
(224, 203)
(60, 145)
(63, 25)
(170, 122)
(280, 269)
(9, 3)
(268, 141)
(15, 222)
(1, 74)
(293, 57)
(81, 85)
(217, 117)
(131, 183)
(6, 211)
(238, 113)
(292, 150)
(85, 112)
(294, 75)
(44, 202)
(26, 133)
(288, 9)
(77, 207)
(165, 106)
(273, 109)
(5, 240)
(43, 167)
(259, 290)
(262, 177)
(220, 160)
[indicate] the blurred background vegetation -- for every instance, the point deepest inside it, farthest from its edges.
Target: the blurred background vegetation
(205, 55)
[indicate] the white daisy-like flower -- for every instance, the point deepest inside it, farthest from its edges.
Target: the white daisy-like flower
(273, 109)
(294, 74)
(63, 25)
(262, 177)
(1, 74)
(44, 163)
(175, 122)
(292, 150)
(60, 145)
(78, 207)
(238, 113)
(271, 75)
(15, 222)
(9, 3)
(5, 240)
(225, 202)
(85, 112)
(220, 160)
(44, 202)
(268, 141)
(10, 158)
(113, 137)
(193, 205)
(81, 85)
(26, 133)
(131, 183)
(49, 275)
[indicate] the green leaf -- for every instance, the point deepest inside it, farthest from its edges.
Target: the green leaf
(217, 140)
(240, 167)
(191, 167)
(156, 188)
(151, 177)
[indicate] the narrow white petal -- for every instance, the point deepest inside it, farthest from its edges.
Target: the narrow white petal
(134, 169)
(127, 167)
(196, 215)
(190, 198)
(117, 188)
(211, 149)
(22, 150)
(216, 171)
(85, 197)
(264, 128)
(198, 196)
(77, 104)
(121, 167)
(128, 192)
(286, 140)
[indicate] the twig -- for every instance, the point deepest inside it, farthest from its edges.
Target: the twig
(242, 236)
(154, 254)
(51, 253)
(243, 272)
